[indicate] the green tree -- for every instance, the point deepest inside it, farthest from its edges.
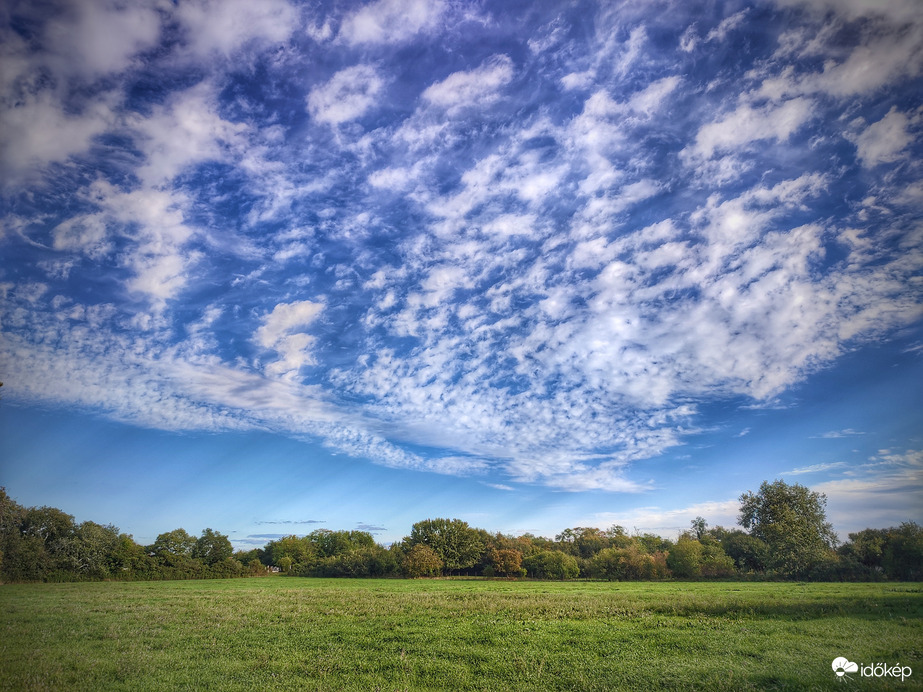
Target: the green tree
(173, 551)
(128, 559)
(903, 554)
(699, 528)
(551, 564)
(457, 544)
(175, 543)
(225, 569)
(422, 561)
(299, 551)
(212, 547)
(88, 552)
(328, 543)
(792, 521)
(652, 543)
(866, 547)
(11, 518)
(26, 559)
(748, 552)
(49, 524)
(685, 560)
(245, 556)
(715, 562)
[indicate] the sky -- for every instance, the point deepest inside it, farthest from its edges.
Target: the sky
(283, 266)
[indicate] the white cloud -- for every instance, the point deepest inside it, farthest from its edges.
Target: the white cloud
(873, 66)
(882, 493)
(38, 130)
(348, 95)
(391, 21)
(152, 218)
(689, 40)
(756, 318)
(96, 37)
(578, 80)
(457, 466)
(86, 234)
(511, 289)
(897, 11)
(835, 434)
(158, 259)
(395, 179)
(184, 132)
(474, 88)
(885, 140)
(815, 468)
(286, 318)
(747, 124)
(282, 331)
(727, 25)
(652, 97)
(632, 51)
(601, 477)
(668, 522)
(160, 275)
(889, 48)
(224, 26)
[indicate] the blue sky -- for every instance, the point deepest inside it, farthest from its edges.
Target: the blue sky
(271, 267)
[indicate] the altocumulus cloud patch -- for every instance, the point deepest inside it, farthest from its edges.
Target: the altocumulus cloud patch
(533, 242)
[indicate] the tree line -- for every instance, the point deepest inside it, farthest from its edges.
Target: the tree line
(783, 534)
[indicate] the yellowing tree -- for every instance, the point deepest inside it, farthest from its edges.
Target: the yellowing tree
(422, 561)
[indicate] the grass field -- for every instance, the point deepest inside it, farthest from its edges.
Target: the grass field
(317, 634)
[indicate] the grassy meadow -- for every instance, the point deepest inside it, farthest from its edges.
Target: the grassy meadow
(319, 634)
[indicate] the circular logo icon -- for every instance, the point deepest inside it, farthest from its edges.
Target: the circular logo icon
(842, 665)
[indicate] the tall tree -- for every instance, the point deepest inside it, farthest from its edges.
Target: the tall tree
(88, 552)
(699, 527)
(212, 547)
(792, 521)
(457, 544)
(328, 543)
(299, 552)
(174, 547)
(49, 524)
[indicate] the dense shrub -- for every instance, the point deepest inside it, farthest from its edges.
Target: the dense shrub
(551, 564)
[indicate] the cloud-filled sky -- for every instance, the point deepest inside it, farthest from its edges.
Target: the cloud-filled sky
(275, 266)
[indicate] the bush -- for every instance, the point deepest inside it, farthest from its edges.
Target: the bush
(685, 560)
(506, 563)
(622, 564)
(422, 561)
(903, 553)
(551, 564)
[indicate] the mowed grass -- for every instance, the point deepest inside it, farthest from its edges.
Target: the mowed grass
(319, 634)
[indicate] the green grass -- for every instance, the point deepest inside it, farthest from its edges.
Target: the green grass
(318, 634)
